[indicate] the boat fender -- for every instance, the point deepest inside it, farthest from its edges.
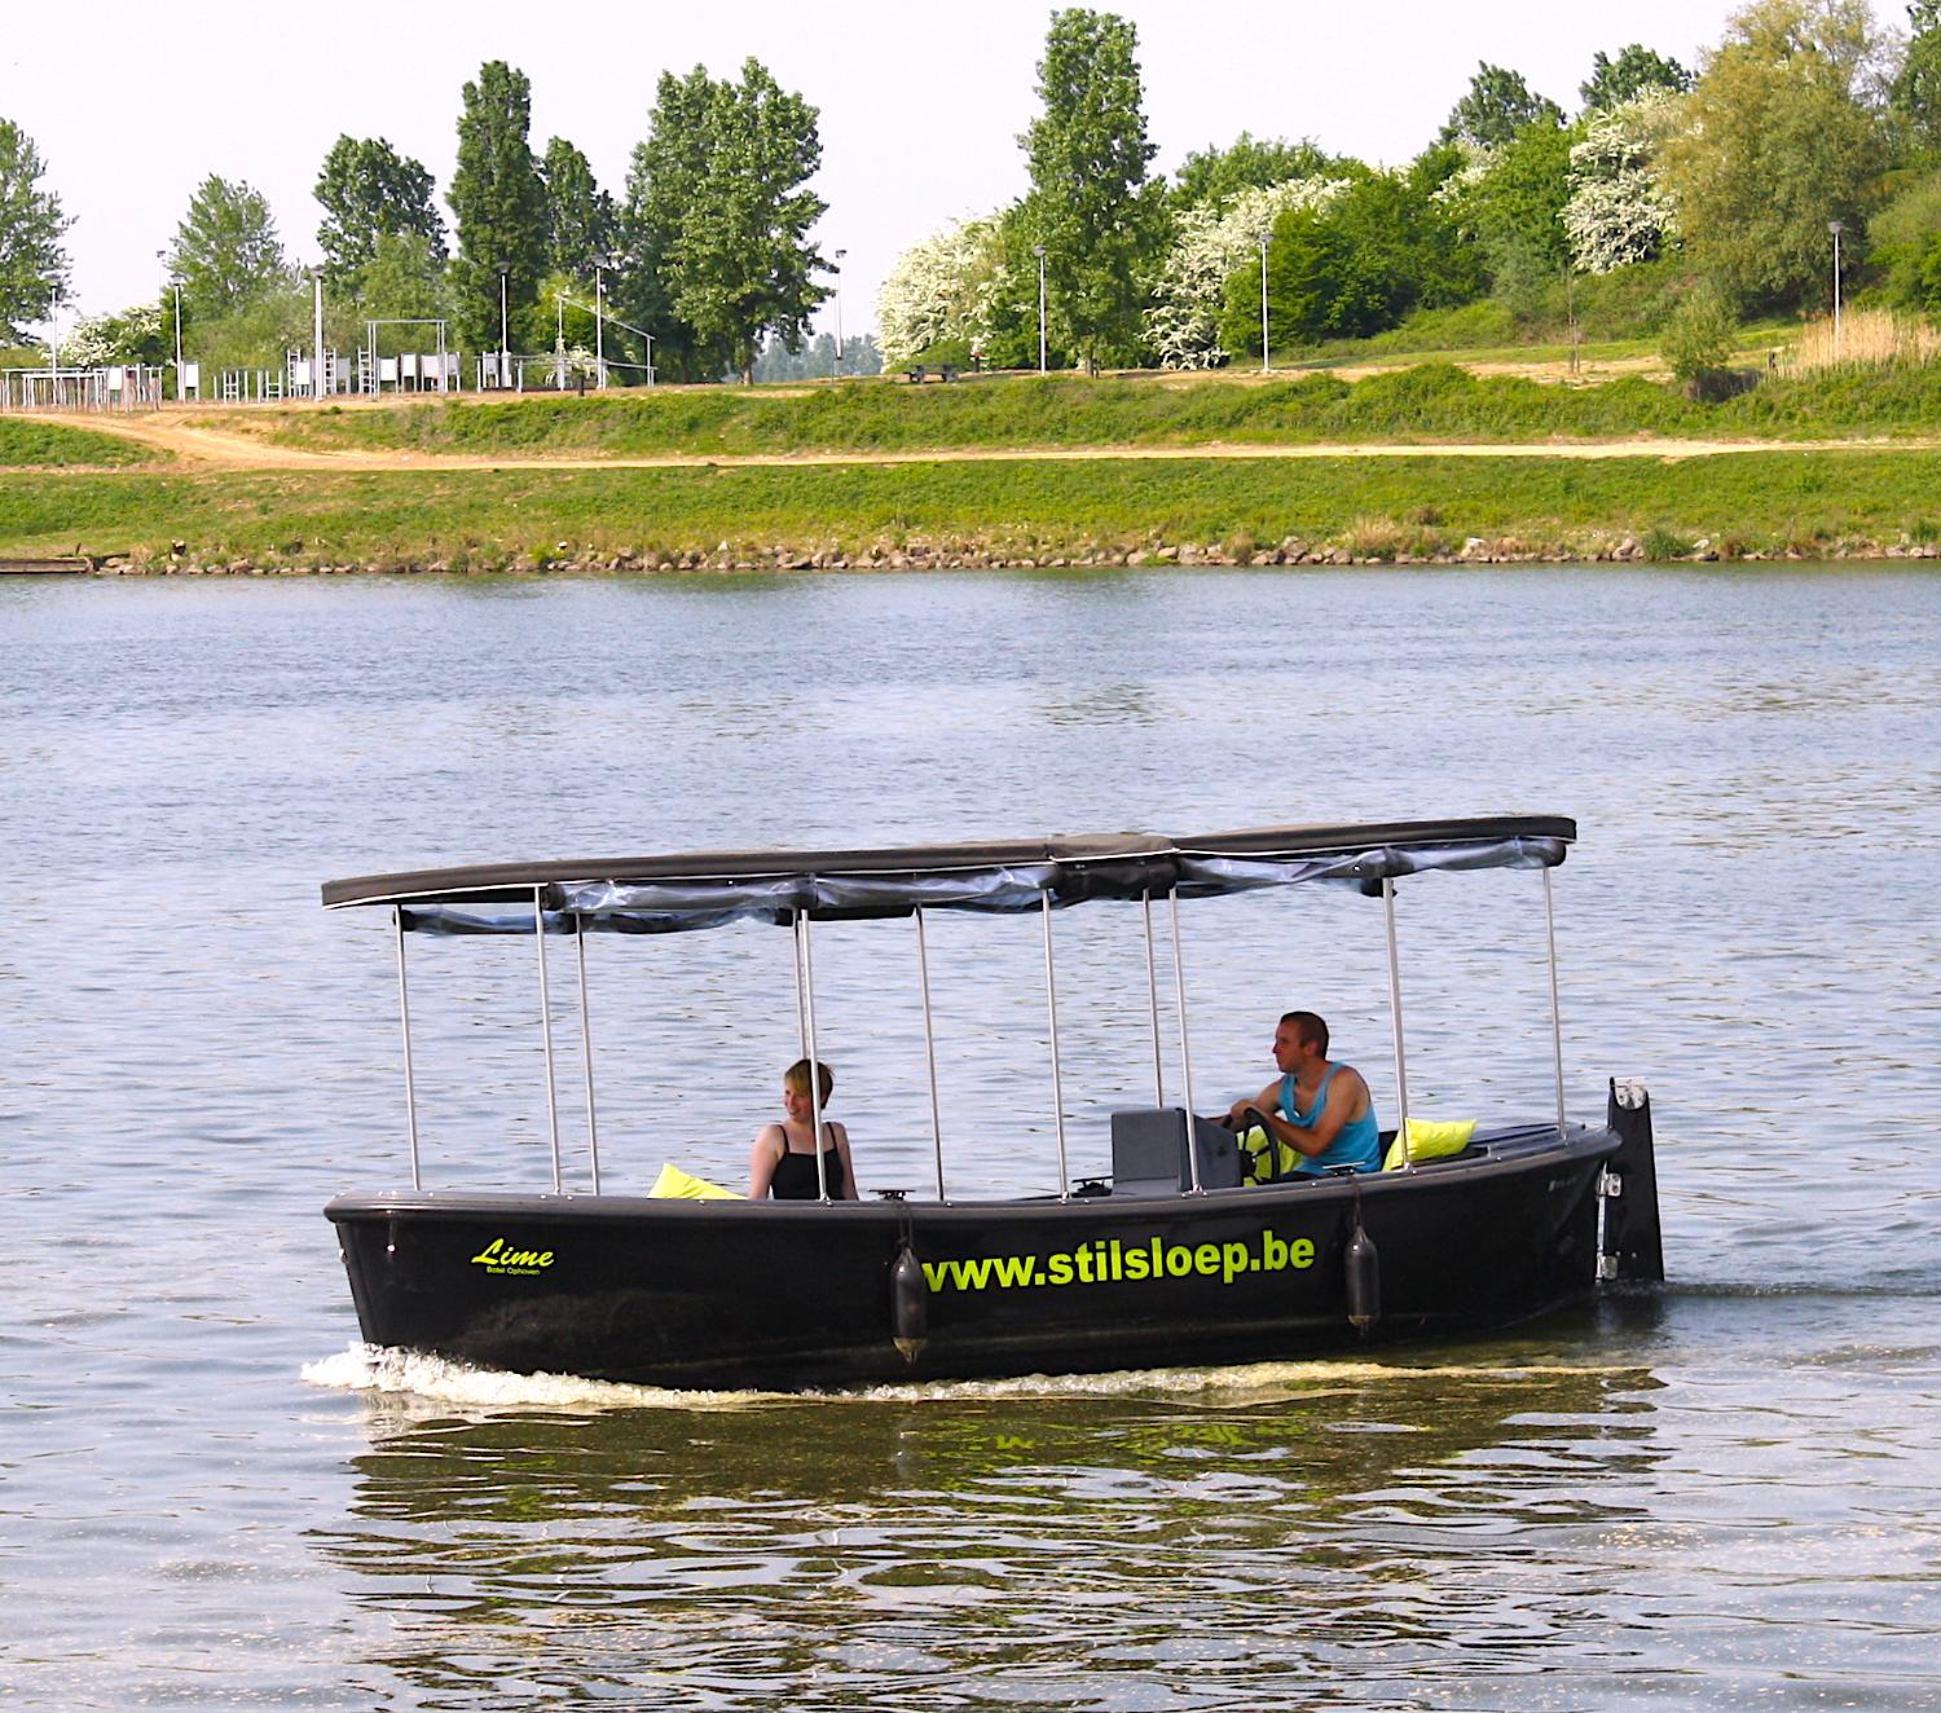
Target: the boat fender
(909, 1304)
(1363, 1268)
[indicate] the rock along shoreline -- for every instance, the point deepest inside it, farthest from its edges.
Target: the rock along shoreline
(971, 556)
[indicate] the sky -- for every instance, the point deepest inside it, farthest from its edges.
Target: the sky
(133, 105)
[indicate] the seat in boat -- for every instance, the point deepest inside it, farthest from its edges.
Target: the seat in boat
(1149, 1153)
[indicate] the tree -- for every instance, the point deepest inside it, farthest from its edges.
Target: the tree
(1904, 240)
(1210, 247)
(1216, 176)
(135, 335)
(1320, 285)
(1356, 261)
(226, 250)
(1618, 212)
(1444, 265)
(1008, 297)
(498, 209)
(1499, 105)
(33, 263)
(937, 292)
(403, 281)
(581, 221)
(1515, 210)
(1099, 217)
(1781, 139)
(1917, 85)
(369, 191)
(663, 179)
(1636, 70)
(260, 328)
(739, 263)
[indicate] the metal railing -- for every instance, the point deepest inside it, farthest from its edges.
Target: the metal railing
(114, 387)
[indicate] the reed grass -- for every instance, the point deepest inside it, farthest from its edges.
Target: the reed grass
(1867, 339)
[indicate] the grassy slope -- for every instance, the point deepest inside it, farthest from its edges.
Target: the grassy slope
(1436, 401)
(1758, 500)
(28, 444)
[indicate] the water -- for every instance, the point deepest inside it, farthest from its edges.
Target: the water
(209, 1496)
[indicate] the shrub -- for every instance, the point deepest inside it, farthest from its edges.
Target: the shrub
(1484, 323)
(1699, 336)
(956, 352)
(1660, 543)
(1715, 386)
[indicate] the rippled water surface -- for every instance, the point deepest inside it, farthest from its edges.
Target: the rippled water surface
(210, 1496)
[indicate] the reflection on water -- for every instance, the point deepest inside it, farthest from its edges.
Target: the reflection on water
(1729, 1502)
(1111, 704)
(1186, 1540)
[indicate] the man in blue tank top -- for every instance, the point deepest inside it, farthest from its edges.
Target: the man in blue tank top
(1320, 1110)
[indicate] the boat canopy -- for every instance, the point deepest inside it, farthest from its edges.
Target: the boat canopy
(671, 894)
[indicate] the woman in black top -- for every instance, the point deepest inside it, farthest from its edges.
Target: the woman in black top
(782, 1162)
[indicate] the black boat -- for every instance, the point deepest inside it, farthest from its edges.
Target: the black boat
(1175, 1259)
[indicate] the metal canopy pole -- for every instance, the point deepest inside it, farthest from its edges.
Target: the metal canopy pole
(1556, 1010)
(404, 1017)
(586, 1049)
(1395, 1022)
(815, 1065)
(1152, 998)
(930, 1050)
(546, 1030)
(801, 1010)
(1185, 1049)
(1057, 1085)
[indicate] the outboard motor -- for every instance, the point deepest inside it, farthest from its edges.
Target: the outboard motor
(1631, 1249)
(909, 1304)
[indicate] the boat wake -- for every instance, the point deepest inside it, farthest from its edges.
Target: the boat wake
(407, 1375)
(414, 1374)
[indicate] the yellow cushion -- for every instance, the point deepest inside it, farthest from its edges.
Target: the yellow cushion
(1430, 1139)
(675, 1182)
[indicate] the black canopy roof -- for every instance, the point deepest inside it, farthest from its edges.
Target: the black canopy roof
(658, 894)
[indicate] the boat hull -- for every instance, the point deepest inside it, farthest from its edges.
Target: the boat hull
(732, 1294)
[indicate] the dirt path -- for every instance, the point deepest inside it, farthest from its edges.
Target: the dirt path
(210, 448)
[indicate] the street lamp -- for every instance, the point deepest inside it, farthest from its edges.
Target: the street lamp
(1836, 227)
(1038, 250)
(1266, 361)
(175, 281)
(505, 365)
(600, 324)
(317, 375)
(835, 369)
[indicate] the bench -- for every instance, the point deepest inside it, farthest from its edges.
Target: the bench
(918, 373)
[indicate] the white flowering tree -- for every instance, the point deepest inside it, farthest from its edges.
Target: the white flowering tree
(1183, 324)
(99, 341)
(941, 289)
(1618, 211)
(1478, 161)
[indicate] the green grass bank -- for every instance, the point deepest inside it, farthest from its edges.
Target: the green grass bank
(1755, 503)
(1423, 404)
(28, 444)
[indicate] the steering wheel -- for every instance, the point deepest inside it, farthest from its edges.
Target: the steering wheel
(1268, 1160)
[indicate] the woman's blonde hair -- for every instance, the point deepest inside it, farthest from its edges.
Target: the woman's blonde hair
(796, 1077)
